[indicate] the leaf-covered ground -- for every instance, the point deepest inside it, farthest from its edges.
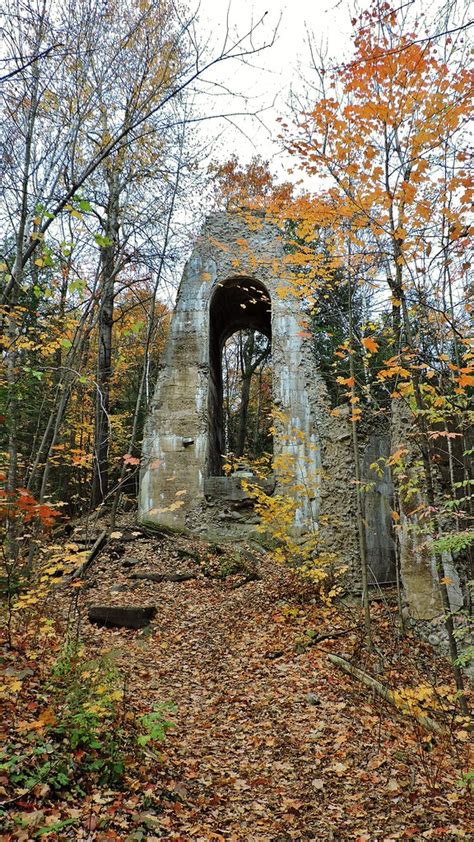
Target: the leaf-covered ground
(272, 742)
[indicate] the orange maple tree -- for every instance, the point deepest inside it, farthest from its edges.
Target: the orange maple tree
(387, 139)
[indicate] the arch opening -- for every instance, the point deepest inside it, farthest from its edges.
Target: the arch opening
(247, 394)
(239, 337)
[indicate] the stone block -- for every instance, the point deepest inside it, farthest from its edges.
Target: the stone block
(121, 616)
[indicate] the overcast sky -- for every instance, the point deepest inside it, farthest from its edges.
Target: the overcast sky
(267, 79)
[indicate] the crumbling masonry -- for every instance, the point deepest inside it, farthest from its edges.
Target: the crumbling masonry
(234, 280)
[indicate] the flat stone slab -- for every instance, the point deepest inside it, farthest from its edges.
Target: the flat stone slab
(130, 561)
(164, 577)
(120, 616)
(230, 488)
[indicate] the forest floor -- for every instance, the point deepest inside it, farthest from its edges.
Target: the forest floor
(272, 741)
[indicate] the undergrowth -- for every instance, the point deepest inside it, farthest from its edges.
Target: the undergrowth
(84, 734)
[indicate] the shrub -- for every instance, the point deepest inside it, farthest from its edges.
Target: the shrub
(84, 735)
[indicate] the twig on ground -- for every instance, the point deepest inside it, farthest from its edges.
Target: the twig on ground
(382, 691)
(96, 547)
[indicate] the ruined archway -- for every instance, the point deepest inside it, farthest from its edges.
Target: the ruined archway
(235, 279)
(235, 304)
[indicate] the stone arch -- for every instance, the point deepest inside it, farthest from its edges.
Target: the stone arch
(233, 258)
(237, 303)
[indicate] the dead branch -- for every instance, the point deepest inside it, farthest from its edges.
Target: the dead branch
(318, 638)
(96, 547)
(382, 691)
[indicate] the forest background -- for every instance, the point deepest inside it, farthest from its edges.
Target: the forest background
(104, 184)
(102, 168)
(105, 181)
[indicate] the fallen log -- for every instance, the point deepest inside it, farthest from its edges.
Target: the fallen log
(382, 691)
(164, 577)
(121, 617)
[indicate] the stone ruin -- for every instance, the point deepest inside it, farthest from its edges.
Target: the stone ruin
(235, 280)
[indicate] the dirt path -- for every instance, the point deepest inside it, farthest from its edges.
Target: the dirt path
(270, 744)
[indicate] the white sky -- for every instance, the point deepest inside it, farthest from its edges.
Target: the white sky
(264, 82)
(267, 80)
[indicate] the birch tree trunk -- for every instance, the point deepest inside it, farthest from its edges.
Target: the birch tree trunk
(108, 273)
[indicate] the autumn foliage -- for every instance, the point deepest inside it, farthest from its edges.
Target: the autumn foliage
(376, 233)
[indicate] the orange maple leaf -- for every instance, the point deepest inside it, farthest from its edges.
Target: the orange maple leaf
(130, 460)
(466, 379)
(370, 344)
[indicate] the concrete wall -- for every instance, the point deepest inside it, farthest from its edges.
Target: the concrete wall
(377, 506)
(177, 444)
(237, 262)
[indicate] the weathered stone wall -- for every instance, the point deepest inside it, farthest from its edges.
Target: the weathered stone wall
(418, 573)
(417, 566)
(177, 441)
(180, 486)
(378, 501)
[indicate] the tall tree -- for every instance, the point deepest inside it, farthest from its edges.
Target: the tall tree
(95, 103)
(387, 133)
(246, 354)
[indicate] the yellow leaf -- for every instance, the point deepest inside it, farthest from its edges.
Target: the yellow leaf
(37, 725)
(462, 735)
(47, 717)
(116, 696)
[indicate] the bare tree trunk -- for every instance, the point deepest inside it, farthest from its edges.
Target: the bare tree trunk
(151, 326)
(53, 425)
(357, 477)
(12, 301)
(247, 371)
(248, 368)
(108, 273)
(258, 412)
